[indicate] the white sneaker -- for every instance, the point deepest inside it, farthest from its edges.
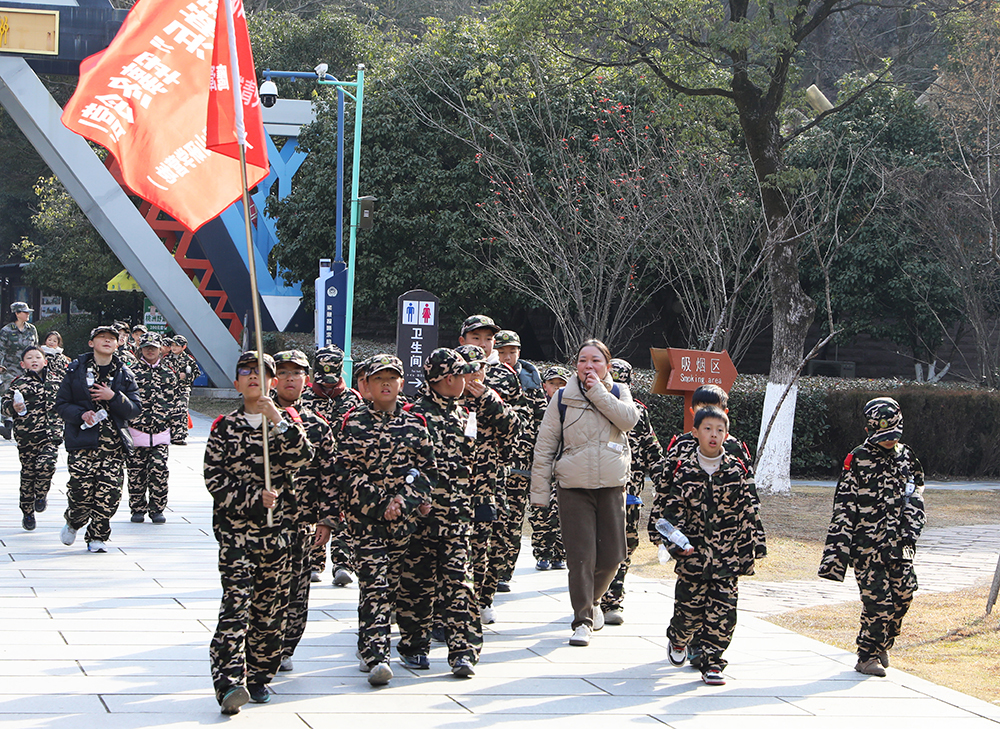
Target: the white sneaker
(362, 666)
(342, 578)
(380, 675)
(68, 535)
(581, 636)
(96, 546)
(614, 617)
(488, 615)
(598, 617)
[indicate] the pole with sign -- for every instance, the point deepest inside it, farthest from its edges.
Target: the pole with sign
(331, 304)
(416, 335)
(682, 371)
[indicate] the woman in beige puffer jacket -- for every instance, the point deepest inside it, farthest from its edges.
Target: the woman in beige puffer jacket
(584, 450)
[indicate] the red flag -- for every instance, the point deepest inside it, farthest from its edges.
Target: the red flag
(225, 97)
(145, 99)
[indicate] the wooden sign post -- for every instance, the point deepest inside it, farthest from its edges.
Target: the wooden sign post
(682, 371)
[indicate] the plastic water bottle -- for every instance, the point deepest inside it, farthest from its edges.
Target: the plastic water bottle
(412, 475)
(98, 417)
(18, 402)
(910, 487)
(90, 380)
(672, 533)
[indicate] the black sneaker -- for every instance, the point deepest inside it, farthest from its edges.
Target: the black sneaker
(463, 669)
(233, 699)
(503, 586)
(41, 504)
(418, 662)
(158, 517)
(542, 565)
(28, 522)
(558, 564)
(259, 693)
(5, 428)
(138, 517)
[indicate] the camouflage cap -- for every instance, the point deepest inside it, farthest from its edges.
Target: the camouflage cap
(506, 338)
(249, 359)
(472, 354)
(556, 372)
(150, 339)
(361, 368)
(19, 306)
(443, 362)
(166, 341)
(329, 364)
(478, 321)
(885, 419)
(140, 328)
(122, 326)
(295, 356)
(104, 329)
(621, 371)
(180, 339)
(380, 362)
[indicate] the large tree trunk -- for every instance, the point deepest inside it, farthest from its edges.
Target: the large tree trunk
(792, 310)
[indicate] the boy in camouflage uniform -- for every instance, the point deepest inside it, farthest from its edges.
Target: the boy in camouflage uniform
(438, 557)
(14, 337)
(878, 514)
(148, 473)
(96, 399)
(314, 495)
(494, 456)
(36, 430)
(255, 563)
(181, 362)
(507, 545)
(125, 350)
(712, 503)
(385, 470)
(647, 460)
(546, 534)
(330, 396)
(496, 427)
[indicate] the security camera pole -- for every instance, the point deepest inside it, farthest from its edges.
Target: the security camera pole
(325, 79)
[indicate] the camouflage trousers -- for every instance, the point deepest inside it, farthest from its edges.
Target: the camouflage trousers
(95, 488)
(341, 550)
(482, 545)
(615, 595)
(179, 417)
(886, 594)
(508, 528)
(705, 608)
(38, 466)
(437, 564)
(147, 479)
(248, 640)
(546, 534)
(297, 612)
(380, 564)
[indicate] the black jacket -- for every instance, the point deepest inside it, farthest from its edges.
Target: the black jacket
(74, 400)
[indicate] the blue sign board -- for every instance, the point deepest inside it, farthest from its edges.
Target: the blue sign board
(331, 303)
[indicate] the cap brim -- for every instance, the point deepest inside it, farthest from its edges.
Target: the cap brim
(371, 370)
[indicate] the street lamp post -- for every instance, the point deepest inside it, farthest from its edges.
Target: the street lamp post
(358, 85)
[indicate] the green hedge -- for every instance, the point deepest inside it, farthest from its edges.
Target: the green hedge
(953, 428)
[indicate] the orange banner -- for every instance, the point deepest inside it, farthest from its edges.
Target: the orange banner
(145, 99)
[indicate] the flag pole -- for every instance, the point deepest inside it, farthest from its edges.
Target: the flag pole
(235, 85)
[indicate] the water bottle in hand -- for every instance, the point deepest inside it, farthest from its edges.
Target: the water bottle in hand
(672, 533)
(98, 417)
(19, 407)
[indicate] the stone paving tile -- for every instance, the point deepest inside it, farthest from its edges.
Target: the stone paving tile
(120, 641)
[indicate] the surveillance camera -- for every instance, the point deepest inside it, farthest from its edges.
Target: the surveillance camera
(268, 93)
(321, 70)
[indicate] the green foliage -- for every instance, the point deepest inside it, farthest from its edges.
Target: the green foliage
(65, 254)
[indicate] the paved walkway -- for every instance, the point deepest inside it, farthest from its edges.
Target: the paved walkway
(121, 641)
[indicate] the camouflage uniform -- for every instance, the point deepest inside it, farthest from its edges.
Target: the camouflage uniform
(255, 564)
(546, 534)
(148, 472)
(96, 460)
(497, 426)
(37, 434)
(12, 343)
(647, 460)
(438, 558)
(878, 514)
(718, 515)
(332, 402)
(377, 451)
(183, 363)
(57, 363)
